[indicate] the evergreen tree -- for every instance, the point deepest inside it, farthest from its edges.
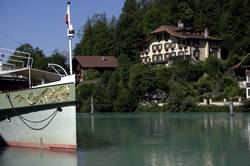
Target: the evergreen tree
(98, 37)
(39, 59)
(129, 30)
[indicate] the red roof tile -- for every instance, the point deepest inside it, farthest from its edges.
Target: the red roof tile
(97, 61)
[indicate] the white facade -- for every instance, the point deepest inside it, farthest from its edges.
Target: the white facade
(248, 84)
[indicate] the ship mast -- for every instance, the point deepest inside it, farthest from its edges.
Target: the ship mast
(70, 34)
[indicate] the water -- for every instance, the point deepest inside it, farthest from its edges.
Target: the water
(149, 139)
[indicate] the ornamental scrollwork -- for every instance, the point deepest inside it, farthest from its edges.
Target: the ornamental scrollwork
(49, 95)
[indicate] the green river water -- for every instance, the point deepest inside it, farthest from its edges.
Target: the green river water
(149, 139)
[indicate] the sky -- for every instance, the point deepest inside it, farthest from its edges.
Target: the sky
(42, 22)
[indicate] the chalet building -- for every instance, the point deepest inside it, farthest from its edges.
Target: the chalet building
(98, 63)
(242, 70)
(167, 43)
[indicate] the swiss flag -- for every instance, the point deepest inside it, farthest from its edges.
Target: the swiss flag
(67, 19)
(67, 16)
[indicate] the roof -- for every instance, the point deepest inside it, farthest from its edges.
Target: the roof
(183, 32)
(36, 75)
(244, 63)
(97, 61)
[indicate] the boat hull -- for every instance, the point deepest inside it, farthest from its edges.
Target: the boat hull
(44, 118)
(60, 134)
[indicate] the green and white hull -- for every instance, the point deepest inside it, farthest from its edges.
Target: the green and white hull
(40, 117)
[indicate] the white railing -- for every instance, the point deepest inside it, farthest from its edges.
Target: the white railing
(12, 59)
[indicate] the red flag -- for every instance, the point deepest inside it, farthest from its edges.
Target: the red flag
(68, 16)
(67, 19)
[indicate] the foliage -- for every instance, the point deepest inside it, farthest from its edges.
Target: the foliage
(58, 58)
(97, 37)
(37, 54)
(180, 97)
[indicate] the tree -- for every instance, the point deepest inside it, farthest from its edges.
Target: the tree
(58, 58)
(141, 81)
(40, 61)
(151, 20)
(97, 37)
(214, 66)
(184, 12)
(180, 96)
(129, 30)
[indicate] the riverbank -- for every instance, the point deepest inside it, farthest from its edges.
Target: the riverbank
(203, 108)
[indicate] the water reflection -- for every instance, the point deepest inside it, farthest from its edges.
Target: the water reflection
(164, 139)
(35, 157)
(151, 139)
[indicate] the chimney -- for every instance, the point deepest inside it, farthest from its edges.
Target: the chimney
(104, 58)
(180, 24)
(206, 33)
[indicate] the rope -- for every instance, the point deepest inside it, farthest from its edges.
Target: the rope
(23, 119)
(39, 121)
(41, 128)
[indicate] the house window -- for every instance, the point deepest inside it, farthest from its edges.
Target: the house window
(171, 45)
(159, 48)
(159, 37)
(181, 53)
(166, 56)
(166, 36)
(143, 59)
(154, 48)
(173, 54)
(181, 44)
(160, 57)
(154, 58)
(147, 50)
(196, 53)
(166, 46)
(213, 52)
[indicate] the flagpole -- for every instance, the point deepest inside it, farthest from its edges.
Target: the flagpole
(70, 56)
(70, 35)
